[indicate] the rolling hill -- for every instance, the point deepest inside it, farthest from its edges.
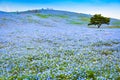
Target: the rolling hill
(46, 15)
(57, 45)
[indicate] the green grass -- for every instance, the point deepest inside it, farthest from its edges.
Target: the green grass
(85, 19)
(62, 16)
(50, 15)
(79, 21)
(117, 23)
(43, 15)
(75, 22)
(114, 26)
(106, 52)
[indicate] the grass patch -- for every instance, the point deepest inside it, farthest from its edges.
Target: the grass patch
(43, 15)
(62, 16)
(114, 26)
(76, 22)
(101, 43)
(117, 23)
(90, 74)
(84, 19)
(49, 15)
(106, 52)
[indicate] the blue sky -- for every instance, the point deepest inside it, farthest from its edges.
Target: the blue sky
(109, 8)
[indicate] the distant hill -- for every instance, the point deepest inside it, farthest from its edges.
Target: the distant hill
(51, 11)
(49, 16)
(2, 12)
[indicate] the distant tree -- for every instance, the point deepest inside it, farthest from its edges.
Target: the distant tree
(98, 20)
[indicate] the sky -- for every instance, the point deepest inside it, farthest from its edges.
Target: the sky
(108, 8)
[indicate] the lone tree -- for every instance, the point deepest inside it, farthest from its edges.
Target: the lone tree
(98, 20)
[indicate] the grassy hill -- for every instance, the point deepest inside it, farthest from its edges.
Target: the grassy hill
(35, 17)
(57, 45)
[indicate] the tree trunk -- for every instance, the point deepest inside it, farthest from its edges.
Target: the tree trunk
(99, 25)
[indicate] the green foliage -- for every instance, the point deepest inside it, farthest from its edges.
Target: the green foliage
(106, 52)
(63, 76)
(98, 20)
(118, 68)
(118, 78)
(90, 74)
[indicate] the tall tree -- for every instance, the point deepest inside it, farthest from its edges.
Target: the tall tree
(98, 20)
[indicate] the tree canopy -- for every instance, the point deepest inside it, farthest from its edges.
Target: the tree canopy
(98, 20)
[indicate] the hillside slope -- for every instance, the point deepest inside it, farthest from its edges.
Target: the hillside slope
(57, 45)
(50, 17)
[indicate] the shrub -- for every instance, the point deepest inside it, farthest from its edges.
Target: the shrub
(106, 52)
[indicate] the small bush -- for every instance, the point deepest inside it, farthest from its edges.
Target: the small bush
(106, 52)
(90, 74)
(118, 78)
